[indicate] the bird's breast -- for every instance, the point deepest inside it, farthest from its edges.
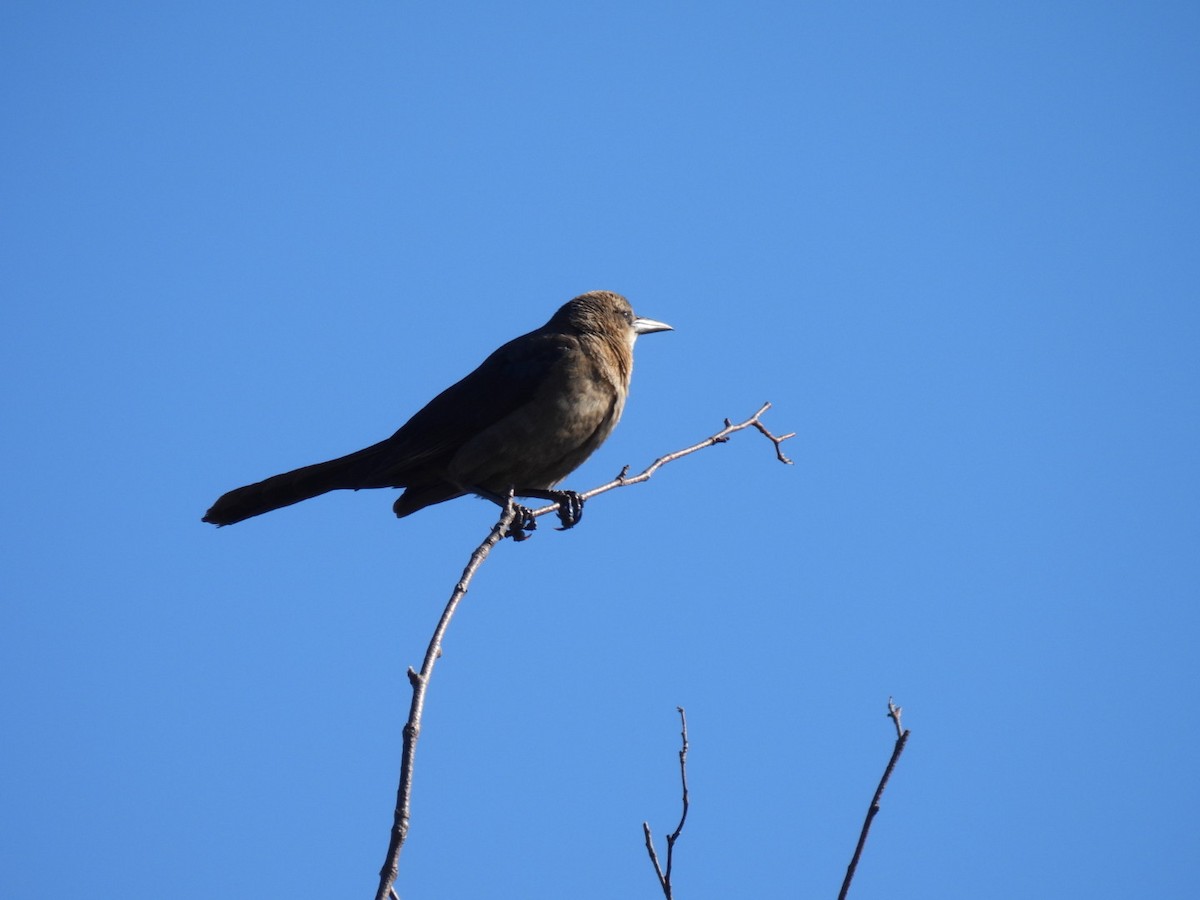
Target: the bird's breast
(567, 417)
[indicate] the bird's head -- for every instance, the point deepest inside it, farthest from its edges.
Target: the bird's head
(606, 314)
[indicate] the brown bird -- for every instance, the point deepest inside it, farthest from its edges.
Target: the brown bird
(526, 418)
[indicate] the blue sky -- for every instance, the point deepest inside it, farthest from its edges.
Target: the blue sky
(956, 245)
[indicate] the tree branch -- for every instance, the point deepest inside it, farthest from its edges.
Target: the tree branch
(664, 876)
(420, 684)
(623, 479)
(901, 739)
(420, 680)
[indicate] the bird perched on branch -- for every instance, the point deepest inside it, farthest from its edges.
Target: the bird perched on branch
(526, 418)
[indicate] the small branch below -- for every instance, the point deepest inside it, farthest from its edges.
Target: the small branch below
(901, 739)
(664, 876)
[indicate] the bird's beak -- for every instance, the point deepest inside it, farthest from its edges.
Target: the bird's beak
(649, 326)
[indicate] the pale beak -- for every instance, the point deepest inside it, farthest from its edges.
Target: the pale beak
(649, 326)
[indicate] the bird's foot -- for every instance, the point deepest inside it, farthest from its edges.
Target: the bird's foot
(523, 522)
(570, 508)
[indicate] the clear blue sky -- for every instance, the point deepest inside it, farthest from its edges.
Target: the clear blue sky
(956, 245)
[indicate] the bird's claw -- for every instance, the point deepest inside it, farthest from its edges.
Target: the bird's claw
(570, 509)
(523, 522)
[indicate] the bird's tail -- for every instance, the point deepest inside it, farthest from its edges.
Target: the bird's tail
(343, 473)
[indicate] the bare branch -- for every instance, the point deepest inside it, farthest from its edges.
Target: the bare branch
(624, 479)
(873, 810)
(420, 680)
(420, 684)
(664, 877)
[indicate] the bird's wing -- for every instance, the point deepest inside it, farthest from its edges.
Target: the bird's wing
(504, 382)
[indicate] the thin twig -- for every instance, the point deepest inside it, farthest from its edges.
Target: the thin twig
(901, 739)
(623, 479)
(664, 877)
(420, 684)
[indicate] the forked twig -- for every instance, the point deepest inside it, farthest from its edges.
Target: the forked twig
(901, 739)
(664, 875)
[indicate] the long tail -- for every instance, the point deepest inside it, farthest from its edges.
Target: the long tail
(343, 473)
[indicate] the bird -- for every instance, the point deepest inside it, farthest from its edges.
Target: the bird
(522, 421)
